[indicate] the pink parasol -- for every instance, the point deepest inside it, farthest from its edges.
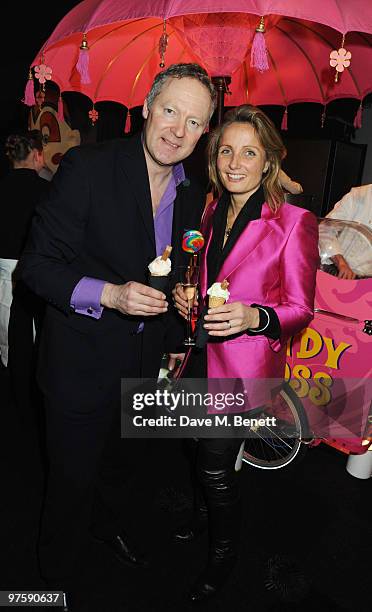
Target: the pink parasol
(120, 54)
(341, 15)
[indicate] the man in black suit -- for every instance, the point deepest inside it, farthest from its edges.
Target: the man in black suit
(113, 207)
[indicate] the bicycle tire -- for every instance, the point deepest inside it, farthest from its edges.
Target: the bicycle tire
(275, 451)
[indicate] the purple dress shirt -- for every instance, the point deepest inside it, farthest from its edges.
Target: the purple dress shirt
(86, 296)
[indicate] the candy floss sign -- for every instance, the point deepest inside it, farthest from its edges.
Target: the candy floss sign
(329, 364)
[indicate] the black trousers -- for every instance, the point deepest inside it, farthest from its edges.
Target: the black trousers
(218, 484)
(88, 464)
(215, 481)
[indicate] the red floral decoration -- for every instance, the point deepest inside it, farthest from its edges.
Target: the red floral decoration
(93, 115)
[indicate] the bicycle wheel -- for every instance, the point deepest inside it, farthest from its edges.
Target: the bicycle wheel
(274, 447)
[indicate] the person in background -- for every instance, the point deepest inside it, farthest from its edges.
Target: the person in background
(267, 252)
(20, 309)
(288, 185)
(112, 208)
(346, 253)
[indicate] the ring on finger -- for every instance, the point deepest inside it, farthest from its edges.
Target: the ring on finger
(229, 324)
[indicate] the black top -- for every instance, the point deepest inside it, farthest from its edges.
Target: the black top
(20, 191)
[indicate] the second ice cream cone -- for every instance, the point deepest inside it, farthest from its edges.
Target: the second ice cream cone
(213, 301)
(218, 294)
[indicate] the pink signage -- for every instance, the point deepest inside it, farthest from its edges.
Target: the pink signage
(330, 363)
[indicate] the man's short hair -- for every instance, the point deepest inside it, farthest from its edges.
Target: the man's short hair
(180, 71)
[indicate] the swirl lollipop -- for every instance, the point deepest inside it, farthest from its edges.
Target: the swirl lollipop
(192, 241)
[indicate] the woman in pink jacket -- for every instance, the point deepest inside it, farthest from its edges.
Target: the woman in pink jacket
(267, 250)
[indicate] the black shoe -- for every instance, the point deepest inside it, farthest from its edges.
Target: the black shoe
(192, 528)
(124, 552)
(211, 580)
(189, 531)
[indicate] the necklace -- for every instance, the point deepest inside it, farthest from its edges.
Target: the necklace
(229, 225)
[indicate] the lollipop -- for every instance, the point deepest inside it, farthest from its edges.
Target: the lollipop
(192, 241)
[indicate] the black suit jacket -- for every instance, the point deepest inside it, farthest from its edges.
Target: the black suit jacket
(98, 222)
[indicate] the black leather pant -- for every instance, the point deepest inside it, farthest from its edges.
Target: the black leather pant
(217, 483)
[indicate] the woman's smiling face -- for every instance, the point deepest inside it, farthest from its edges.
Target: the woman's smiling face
(241, 160)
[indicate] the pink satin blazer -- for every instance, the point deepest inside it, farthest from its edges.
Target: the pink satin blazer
(273, 263)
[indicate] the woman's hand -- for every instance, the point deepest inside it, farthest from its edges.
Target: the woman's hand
(231, 319)
(180, 300)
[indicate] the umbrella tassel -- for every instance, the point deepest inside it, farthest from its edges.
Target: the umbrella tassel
(163, 43)
(284, 125)
(60, 113)
(29, 97)
(358, 117)
(82, 64)
(259, 59)
(323, 118)
(127, 123)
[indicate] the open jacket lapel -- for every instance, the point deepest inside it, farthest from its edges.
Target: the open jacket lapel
(251, 236)
(134, 166)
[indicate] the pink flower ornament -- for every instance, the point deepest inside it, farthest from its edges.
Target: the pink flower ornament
(93, 115)
(43, 73)
(340, 59)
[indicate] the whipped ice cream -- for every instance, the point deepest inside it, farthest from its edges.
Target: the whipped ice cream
(219, 290)
(160, 267)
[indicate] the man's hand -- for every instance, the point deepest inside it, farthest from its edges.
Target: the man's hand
(134, 299)
(175, 362)
(180, 300)
(231, 319)
(344, 270)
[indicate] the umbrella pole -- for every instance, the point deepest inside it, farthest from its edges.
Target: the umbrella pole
(221, 84)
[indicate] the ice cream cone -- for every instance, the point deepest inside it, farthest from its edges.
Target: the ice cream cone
(218, 294)
(161, 283)
(213, 301)
(160, 269)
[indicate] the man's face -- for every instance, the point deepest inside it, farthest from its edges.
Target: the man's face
(175, 121)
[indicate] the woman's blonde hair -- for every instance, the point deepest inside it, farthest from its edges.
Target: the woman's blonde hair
(270, 140)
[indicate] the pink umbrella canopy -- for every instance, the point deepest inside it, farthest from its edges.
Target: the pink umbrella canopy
(123, 40)
(341, 15)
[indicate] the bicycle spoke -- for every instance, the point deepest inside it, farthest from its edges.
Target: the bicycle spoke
(275, 447)
(267, 442)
